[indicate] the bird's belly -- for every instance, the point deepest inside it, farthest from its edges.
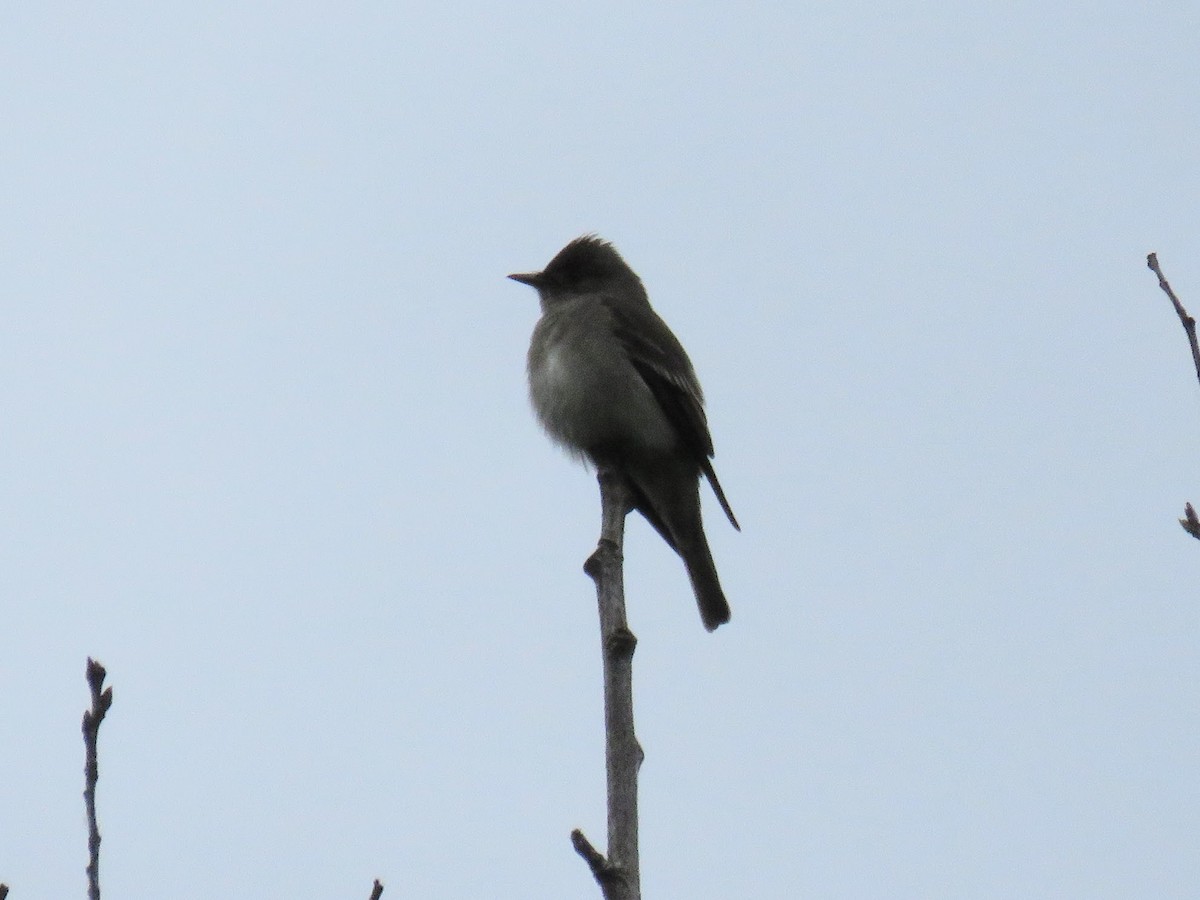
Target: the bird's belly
(585, 399)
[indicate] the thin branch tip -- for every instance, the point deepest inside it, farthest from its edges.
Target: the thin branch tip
(1190, 521)
(612, 879)
(593, 857)
(1189, 323)
(102, 698)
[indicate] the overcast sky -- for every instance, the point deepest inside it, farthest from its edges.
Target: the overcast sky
(266, 452)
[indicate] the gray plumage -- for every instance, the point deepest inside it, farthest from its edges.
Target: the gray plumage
(611, 383)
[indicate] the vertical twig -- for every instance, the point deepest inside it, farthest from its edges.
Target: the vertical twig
(1190, 523)
(101, 701)
(619, 875)
(377, 891)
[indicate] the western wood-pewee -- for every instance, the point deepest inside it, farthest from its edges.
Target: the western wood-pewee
(611, 383)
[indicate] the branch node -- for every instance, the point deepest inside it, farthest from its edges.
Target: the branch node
(620, 644)
(606, 552)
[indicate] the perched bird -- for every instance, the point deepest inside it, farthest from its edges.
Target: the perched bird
(611, 383)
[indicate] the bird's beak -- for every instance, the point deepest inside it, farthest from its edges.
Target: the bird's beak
(533, 279)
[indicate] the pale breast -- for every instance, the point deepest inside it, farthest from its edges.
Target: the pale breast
(584, 390)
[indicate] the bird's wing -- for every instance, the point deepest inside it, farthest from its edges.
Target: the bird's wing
(664, 365)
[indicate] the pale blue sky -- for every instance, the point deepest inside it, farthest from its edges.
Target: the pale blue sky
(265, 449)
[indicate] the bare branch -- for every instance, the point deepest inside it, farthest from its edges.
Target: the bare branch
(618, 875)
(1189, 324)
(1190, 523)
(377, 891)
(101, 701)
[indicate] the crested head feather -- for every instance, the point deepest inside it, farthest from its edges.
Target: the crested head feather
(587, 260)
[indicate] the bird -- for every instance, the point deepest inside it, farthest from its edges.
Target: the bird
(611, 383)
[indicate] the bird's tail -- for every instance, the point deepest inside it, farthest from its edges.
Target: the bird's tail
(669, 497)
(714, 608)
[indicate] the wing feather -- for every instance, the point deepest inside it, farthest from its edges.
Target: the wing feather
(664, 365)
